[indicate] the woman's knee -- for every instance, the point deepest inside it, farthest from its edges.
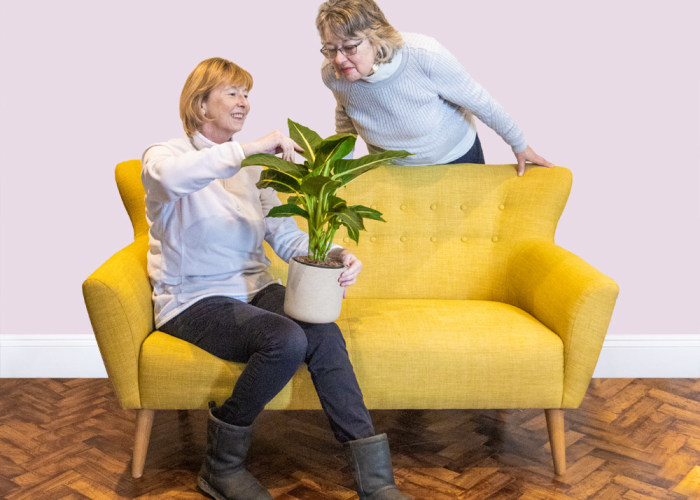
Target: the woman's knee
(284, 338)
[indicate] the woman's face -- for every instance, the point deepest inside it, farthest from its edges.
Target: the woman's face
(350, 67)
(225, 111)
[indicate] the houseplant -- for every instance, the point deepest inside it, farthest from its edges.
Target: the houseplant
(313, 188)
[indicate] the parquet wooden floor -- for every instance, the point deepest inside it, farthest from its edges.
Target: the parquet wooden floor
(630, 439)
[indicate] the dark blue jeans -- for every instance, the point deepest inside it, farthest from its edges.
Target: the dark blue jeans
(273, 346)
(474, 155)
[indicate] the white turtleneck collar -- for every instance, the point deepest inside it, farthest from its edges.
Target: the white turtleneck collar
(199, 141)
(385, 70)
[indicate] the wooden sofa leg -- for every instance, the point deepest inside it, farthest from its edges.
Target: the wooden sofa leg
(555, 427)
(144, 423)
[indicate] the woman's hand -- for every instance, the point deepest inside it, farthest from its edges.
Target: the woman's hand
(275, 142)
(352, 263)
(531, 156)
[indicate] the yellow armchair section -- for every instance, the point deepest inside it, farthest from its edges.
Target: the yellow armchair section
(571, 298)
(118, 300)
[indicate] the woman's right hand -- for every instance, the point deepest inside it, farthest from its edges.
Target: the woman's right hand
(528, 155)
(275, 142)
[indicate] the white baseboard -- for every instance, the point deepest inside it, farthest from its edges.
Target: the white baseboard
(77, 356)
(50, 356)
(650, 356)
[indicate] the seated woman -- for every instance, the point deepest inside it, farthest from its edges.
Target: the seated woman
(211, 286)
(406, 91)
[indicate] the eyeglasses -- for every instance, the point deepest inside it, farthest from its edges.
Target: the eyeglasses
(346, 50)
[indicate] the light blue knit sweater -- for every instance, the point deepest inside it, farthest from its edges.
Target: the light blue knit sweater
(424, 106)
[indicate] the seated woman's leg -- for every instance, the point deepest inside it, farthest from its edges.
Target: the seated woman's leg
(272, 346)
(331, 371)
(335, 382)
(341, 398)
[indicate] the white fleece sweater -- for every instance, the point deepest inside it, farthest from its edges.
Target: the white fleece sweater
(207, 224)
(424, 106)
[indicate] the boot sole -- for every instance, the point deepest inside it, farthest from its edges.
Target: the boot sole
(209, 489)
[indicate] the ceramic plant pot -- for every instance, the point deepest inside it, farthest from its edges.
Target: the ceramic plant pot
(313, 293)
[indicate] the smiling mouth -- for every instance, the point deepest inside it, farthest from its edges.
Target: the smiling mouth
(239, 116)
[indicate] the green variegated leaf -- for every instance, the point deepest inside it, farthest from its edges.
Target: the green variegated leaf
(306, 138)
(287, 210)
(274, 162)
(319, 186)
(353, 233)
(352, 222)
(278, 181)
(335, 204)
(367, 213)
(314, 184)
(348, 214)
(347, 170)
(334, 147)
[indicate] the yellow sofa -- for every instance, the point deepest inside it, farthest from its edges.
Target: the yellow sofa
(464, 301)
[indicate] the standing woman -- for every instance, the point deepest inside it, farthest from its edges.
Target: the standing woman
(207, 223)
(406, 91)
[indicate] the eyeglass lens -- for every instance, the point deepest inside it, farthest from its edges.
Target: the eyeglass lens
(346, 50)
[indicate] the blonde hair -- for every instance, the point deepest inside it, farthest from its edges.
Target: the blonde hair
(353, 19)
(208, 75)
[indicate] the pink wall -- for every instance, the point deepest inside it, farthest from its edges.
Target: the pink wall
(609, 89)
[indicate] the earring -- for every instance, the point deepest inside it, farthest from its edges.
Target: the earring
(375, 67)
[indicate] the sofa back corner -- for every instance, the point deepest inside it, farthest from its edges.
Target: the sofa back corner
(449, 229)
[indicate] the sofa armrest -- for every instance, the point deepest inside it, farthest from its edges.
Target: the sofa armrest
(118, 300)
(571, 298)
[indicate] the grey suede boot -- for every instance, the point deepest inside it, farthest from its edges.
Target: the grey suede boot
(371, 465)
(223, 475)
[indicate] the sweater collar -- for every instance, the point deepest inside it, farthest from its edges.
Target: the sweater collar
(385, 70)
(200, 142)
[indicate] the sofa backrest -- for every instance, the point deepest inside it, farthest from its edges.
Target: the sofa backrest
(128, 177)
(450, 228)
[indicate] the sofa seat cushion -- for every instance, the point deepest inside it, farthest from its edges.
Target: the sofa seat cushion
(407, 353)
(424, 353)
(174, 374)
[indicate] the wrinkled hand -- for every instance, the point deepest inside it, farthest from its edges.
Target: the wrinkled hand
(352, 263)
(530, 156)
(274, 143)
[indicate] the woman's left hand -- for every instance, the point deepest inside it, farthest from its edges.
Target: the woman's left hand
(352, 263)
(529, 155)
